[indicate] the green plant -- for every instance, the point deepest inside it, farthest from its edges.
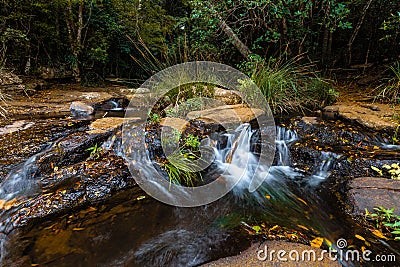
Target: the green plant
(385, 220)
(289, 86)
(181, 168)
(192, 142)
(94, 151)
(154, 117)
(172, 137)
(390, 90)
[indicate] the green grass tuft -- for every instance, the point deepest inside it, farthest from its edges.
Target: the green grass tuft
(289, 86)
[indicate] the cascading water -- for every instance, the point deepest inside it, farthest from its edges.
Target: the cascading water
(238, 163)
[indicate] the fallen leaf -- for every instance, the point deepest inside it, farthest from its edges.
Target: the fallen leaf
(303, 227)
(303, 201)
(78, 229)
(378, 234)
(360, 237)
(317, 242)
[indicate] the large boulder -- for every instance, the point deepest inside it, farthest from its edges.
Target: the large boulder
(369, 192)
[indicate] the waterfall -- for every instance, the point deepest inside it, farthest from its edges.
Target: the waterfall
(21, 181)
(284, 138)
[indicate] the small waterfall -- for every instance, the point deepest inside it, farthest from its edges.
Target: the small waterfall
(21, 180)
(284, 138)
(324, 169)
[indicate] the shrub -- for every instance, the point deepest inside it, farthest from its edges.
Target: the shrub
(290, 87)
(389, 91)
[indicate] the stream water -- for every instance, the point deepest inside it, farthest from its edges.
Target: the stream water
(132, 229)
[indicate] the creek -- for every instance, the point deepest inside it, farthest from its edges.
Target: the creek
(62, 206)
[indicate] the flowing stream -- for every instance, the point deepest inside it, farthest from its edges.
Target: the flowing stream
(154, 234)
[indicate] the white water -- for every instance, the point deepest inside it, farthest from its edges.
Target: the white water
(243, 162)
(21, 181)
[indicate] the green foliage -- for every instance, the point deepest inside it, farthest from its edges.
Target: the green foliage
(391, 26)
(154, 118)
(181, 168)
(192, 142)
(289, 86)
(385, 220)
(390, 90)
(94, 151)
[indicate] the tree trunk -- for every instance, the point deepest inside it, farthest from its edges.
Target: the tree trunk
(325, 40)
(356, 30)
(75, 36)
(240, 46)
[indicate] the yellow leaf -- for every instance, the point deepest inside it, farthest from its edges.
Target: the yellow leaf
(78, 229)
(377, 170)
(317, 242)
(267, 197)
(376, 147)
(274, 227)
(302, 200)
(303, 227)
(360, 237)
(378, 234)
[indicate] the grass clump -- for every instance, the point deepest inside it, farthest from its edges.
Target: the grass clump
(290, 86)
(389, 91)
(182, 169)
(386, 221)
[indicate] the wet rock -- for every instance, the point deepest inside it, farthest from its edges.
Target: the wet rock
(227, 114)
(249, 256)
(330, 112)
(81, 110)
(71, 187)
(372, 116)
(229, 97)
(113, 104)
(369, 192)
(70, 150)
(310, 120)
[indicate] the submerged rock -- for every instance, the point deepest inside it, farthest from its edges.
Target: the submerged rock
(369, 192)
(81, 110)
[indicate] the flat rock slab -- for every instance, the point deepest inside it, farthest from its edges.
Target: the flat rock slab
(175, 123)
(226, 114)
(375, 116)
(249, 257)
(107, 124)
(370, 192)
